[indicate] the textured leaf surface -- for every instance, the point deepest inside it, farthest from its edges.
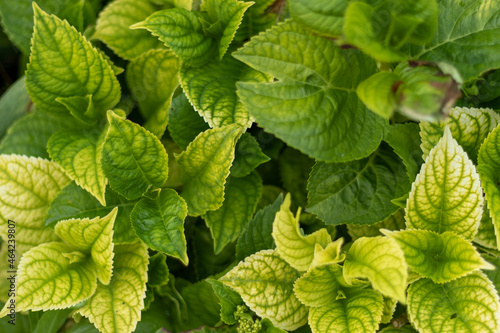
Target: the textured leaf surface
(324, 17)
(205, 166)
(440, 257)
(248, 156)
(92, 237)
(241, 198)
(291, 244)
(486, 235)
(79, 154)
(468, 304)
(295, 170)
(113, 28)
(360, 312)
(28, 186)
(314, 106)
(262, 274)
(117, 306)
(381, 261)
(257, 18)
(133, 159)
(160, 223)
(202, 304)
(394, 222)
(61, 57)
(377, 92)
(359, 192)
(405, 140)
(229, 300)
(446, 196)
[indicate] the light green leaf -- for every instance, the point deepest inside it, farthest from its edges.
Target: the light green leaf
(466, 37)
(446, 196)
(381, 261)
(241, 198)
(160, 223)
(486, 233)
(46, 280)
(440, 257)
(117, 306)
(358, 192)
(494, 275)
(291, 244)
(133, 159)
(331, 254)
(113, 28)
(469, 126)
(389, 309)
(229, 301)
(79, 154)
(405, 140)
(361, 311)
(467, 304)
(51, 67)
(92, 237)
(81, 107)
(153, 78)
(14, 103)
(205, 166)
(377, 92)
(319, 104)
(28, 186)
(394, 222)
(323, 17)
(248, 156)
(266, 273)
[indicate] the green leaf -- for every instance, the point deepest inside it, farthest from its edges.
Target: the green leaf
(205, 166)
(494, 275)
(46, 280)
(202, 304)
(440, 257)
(359, 312)
(469, 126)
(79, 155)
(248, 156)
(389, 309)
(259, 17)
(241, 198)
(229, 301)
(117, 306)
(358, 192)
(312, 108)
(323, 17)
(153, 78)
(291, 244)
(466, 38)
(381, 261)
(160, 223)
(405, 140)
(394, 222)
(446, 196)
(51, 67)
(133, 159)
(51, 321)
(92, 237)
(467, 304)
(28, 186)
(113, 28)
(399, 329)
(81, 107)
(377, 92)
(331, 254)
(14, 103)
(158, 273)
(295, 169)
(266, 273)
(486, 233)
(257, 234)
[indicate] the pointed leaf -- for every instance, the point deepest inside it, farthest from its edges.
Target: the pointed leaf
(160, 223)
(446, 196)
(229, 301)
(71, 66)
(158, 273)
(259, 17)
(467, 304)
(14, 103)
(405, 140)
(381, 261)
(323, 17)
(205, 166)
(377, 92)
(248, 156)
(262, 274)
(117, 306)
(133, 159)
(81, 107)
(486, 235)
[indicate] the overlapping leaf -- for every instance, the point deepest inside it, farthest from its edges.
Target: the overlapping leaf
(248, 156)
(323, 17)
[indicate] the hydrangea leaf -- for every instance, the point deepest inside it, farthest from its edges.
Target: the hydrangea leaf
(405, 140)
(229, 301)
(79, 155)
(248, 156)
(394, 222)
(212, 90)
(494, 275)
(389, 309)
(14, 103)
(259, 17)
(377, 92)
(158, 272)
(93, 237)
(266, 273)
(71, 66)
(466, 37)
(117, 306)
(81, 107)
(469, 126)
(202, 304)
(295, 170)
(332, 253)
(113, 28)
(152, 78)
(467, 304)
(133, 159)
(358, 192)
(257, 234)
(46, 280)
(440, 257)
(291, 244)
(324, 17)
(241, 198)
(361, 311)
(160, 223)
(486, 235)
(312, 108)
(446, 195)
(381, 261)
(205, 166)
(28, 186)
